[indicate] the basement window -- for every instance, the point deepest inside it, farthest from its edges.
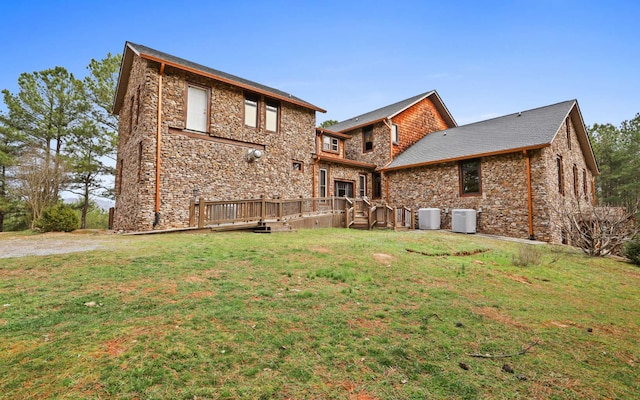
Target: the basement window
(470, 183)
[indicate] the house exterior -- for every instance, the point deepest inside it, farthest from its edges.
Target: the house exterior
(187, 131)
(519, 171)
(190, 132)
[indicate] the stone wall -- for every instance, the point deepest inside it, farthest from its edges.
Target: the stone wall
(552, 201)
(214, 164)
(381, 153)
(503, 200)
(415, 122)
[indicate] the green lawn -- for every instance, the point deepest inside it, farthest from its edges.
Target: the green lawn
(318, 314)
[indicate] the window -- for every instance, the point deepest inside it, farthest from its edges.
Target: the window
(367, 139)
(576, 181)
(119, 187)
(395, 136)
(344, 188)
(297, 165)
(584, 182)
(323, 183)
(197, 108)
(362, 185)
(271, 118)
(560, 175)
(251, 111)
(567, 126)
(470, 183)
(330, 144)
(140, 161)
(377, 185)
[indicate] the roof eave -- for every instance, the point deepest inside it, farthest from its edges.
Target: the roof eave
(123, 78)
(231, 82)
(344, 161)
(466, 157)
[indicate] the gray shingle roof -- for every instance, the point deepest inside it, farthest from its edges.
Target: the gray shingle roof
(527, 129)
(378, 114)
(244, 82)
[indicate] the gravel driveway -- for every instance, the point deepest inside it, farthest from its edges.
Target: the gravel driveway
(50, 243)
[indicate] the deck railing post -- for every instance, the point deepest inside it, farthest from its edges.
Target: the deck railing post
(413, 219)
(263, 208)
(280, 209)
(201, 206)
(192, 212)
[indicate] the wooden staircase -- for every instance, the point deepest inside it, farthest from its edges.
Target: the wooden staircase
(360, 221)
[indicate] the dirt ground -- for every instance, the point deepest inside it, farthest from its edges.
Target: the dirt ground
(51, 243)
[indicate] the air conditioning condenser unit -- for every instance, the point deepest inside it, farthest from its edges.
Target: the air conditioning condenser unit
(463, 220)
(429, 218)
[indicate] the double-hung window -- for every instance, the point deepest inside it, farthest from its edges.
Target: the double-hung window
(197, 108)
(330, 144)
(322, 185)
(251, 111)
(271, 117)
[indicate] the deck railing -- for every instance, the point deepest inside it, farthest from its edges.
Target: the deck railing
(204, 213)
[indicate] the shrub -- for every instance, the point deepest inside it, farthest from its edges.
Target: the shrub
(528, 254)
(632, 250)
(58, 218)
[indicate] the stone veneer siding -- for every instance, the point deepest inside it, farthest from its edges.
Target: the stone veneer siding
(504, 189)
(339, 172)
(503, 199)
(552, 201)
(415, 122)
(189, 160)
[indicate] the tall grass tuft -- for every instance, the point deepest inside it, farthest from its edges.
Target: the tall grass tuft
(528, 255)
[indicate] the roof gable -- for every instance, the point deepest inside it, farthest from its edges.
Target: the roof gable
(391, 111)
(524, 130)
(131, 49)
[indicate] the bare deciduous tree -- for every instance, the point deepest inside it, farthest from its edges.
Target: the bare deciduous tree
(598, 230)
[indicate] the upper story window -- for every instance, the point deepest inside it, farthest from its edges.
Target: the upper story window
(584, 183)
(271, 117)
(568, 128)
(197, 108)
(367, 139)
(330, 144)
(470, 179)
(251, 111)
(395, 135)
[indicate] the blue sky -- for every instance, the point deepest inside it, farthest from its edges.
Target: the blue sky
(485, 58)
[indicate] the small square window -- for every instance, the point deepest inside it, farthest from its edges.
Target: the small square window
(297, 166)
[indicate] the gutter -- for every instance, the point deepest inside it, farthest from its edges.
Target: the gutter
(156, 218)
(527, 156)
